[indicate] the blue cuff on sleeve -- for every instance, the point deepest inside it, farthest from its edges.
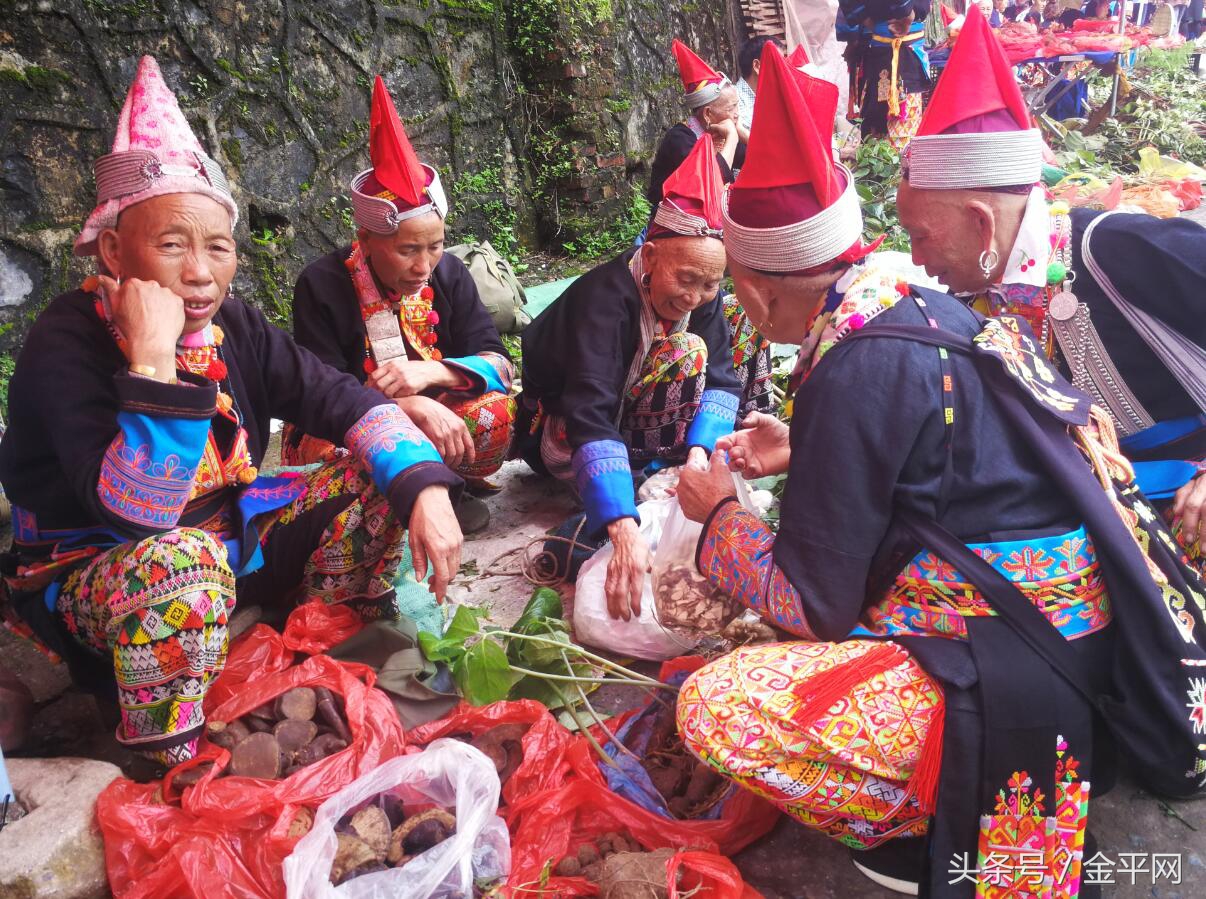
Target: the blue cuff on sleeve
(716, 417)
(604, 482)
(484, 375)
(387, 442)
(1161, 480)
(147, 472)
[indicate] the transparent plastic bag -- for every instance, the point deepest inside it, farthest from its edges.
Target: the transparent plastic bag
(686, 603)
(642, 636)
(448, 773)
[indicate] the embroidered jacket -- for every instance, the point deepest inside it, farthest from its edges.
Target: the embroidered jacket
(868, 431)
(327, 321)
(95, 454)
(576, 355)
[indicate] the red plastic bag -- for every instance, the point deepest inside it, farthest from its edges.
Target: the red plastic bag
(546, 827)
(707, 874)
(551, 754)
(228, 836)
(312, 628)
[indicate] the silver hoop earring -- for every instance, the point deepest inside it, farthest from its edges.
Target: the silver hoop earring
(988, 262)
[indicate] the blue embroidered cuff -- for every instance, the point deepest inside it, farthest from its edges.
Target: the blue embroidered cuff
(387, 442)
(716, 416)
(484, 375)
(604, 482)
(147, 472)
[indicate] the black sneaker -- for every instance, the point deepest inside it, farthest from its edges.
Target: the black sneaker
(896, 865)
(472, 514)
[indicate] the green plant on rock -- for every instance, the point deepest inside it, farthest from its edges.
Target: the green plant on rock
(593, 243)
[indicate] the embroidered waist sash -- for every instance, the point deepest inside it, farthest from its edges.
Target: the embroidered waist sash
(1059, 574)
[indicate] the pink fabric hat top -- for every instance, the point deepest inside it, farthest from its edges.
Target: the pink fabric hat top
(154, 153)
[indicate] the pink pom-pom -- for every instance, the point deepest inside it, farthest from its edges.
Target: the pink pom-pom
(857, 321)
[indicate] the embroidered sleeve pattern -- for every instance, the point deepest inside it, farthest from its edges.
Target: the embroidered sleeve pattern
(716, 417)
(735, 554)
(604, 481)
(147, 472)
(387, 442)
(488, 372)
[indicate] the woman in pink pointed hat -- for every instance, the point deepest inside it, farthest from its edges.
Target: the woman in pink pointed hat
(904, 707)
(1115, 300)
(398, 313)
(139, 415)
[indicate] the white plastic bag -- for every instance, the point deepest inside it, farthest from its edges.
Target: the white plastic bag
(448, 773)
(640, 637)
(687, 604)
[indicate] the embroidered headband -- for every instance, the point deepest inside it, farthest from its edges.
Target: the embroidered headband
(134, 171)
(381, 216)
(707, 92)
(683, 223)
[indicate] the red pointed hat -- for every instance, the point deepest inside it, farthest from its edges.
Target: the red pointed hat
(976, 132)
(798, 57)
(691, 197)
(398, 186)
(948, 14)
(792, 208)
(702, 84)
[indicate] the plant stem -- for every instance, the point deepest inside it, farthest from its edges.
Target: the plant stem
(598, 719)
(590, 680)
(597, 659)
(583, 729)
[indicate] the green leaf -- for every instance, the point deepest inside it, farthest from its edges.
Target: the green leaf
(463, 624)
(483, 673)
(545, 603)
(450, 646)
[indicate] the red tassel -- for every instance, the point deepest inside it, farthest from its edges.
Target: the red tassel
(819, 693)
(924, 782)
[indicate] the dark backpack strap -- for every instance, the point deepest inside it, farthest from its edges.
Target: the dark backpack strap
(1007, 600)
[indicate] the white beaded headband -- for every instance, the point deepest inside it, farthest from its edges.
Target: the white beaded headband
(380, 216)
(807, 244)
(670, 216)
(966, 161)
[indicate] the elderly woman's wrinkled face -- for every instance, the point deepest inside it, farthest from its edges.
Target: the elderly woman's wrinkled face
(684, 273)
(781, 306)
(181, 242)
(403, 261)
(723, 107)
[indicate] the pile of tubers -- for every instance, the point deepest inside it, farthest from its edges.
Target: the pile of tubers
(588, 860)
(380, 836)
(689, 787)
(302, 726)
(620, 868)
(502, 745)
(688, 604)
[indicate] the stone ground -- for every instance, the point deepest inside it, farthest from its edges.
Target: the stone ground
(790, 863)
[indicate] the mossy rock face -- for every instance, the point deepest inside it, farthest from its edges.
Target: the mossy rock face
(283, 106)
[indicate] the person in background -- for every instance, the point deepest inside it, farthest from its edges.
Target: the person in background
(711, 99)
(895, 67)
(1115, 299)
(396, 312)
(139, 415)
(750, 64)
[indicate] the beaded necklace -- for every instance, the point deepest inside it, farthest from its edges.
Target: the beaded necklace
(204, 360)
(416, 319)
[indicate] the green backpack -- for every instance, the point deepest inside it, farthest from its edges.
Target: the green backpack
(500, 290)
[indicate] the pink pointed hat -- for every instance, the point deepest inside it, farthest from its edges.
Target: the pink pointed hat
(154, 153)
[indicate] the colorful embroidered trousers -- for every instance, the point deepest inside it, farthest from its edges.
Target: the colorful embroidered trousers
(903, 127)
(751, 360)
(820, 731)
(160, 605)
(490, 419)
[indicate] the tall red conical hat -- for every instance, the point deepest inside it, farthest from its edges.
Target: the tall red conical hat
(394, 161)
(398, 186)
(701, 83)
(976, 131)
(691, 196)
(948, 14)
(792, 208)
(798, 57)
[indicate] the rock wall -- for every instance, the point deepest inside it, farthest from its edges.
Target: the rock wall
(541, 116)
